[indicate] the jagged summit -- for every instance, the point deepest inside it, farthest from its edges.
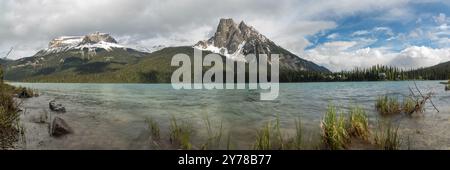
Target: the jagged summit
(90, 42)
(234, 41)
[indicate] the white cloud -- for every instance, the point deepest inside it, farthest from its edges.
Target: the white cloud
(420, 57)
(386, 30)
(32, 23)
(401, 14)
(333, 36)
(337, 45)
(335, 56)
(440, 19)
(360, 33)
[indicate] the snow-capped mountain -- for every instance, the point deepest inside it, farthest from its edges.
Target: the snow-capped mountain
(88, 43)
(92, 53)
(234, 41)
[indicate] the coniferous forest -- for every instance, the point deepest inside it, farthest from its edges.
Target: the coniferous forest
(375, 73)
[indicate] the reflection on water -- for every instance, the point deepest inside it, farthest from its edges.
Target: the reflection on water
(112, 116)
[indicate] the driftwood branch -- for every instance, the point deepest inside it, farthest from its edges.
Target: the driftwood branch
(421, 99)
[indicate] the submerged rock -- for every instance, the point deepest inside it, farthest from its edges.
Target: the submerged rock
(57, 107)
(60, 127)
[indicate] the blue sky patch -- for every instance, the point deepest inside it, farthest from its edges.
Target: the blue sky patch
(419, 24)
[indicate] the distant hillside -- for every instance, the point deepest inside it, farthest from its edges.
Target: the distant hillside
(149, 68)
(70, 63)
(437, 72)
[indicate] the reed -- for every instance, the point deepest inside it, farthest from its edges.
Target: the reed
(358, 123)
(10, 129)
(264, 138)
(298, 144)
(387, 137)
(153, 126)
(388, 105)
(214, 134)
(409, 105)
(334, 133)
(180, 134)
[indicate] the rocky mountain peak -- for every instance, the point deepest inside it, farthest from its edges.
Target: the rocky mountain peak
(98, 37)
(90, 42)
(235, 40)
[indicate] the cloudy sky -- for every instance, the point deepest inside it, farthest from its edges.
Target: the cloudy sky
(339, 34)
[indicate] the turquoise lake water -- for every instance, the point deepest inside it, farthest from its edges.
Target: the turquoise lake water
(112, 116)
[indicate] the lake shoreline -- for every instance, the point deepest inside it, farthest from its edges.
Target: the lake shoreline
(102, 113)
(7, 81)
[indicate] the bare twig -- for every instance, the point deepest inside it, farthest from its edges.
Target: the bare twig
(429, 97)
(417, 88)
(431, 101)
(420, 103)
(413, 94)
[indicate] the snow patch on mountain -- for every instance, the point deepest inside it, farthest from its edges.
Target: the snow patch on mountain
(87, 43)
(237, 55)
(150, 49)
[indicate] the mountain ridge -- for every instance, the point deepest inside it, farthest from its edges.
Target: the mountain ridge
(98, 57)
(235, 41)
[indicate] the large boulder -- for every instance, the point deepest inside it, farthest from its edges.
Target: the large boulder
(57, 107)
(60, 127)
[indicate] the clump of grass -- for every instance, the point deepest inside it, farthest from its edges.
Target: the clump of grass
(387, 137)
(388, 105)
(264, 138)
(19, 92)
(409, 105)
(334, 133)
(214, 134)
(153, 126)
(229, 147)
(358, 123)
(298, 134)
(23, 92)
(180, 134)
(270, 137)
(278, 134)
(296, 142)
(10, 130)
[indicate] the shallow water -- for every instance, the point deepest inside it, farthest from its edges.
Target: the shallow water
(112, 116)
